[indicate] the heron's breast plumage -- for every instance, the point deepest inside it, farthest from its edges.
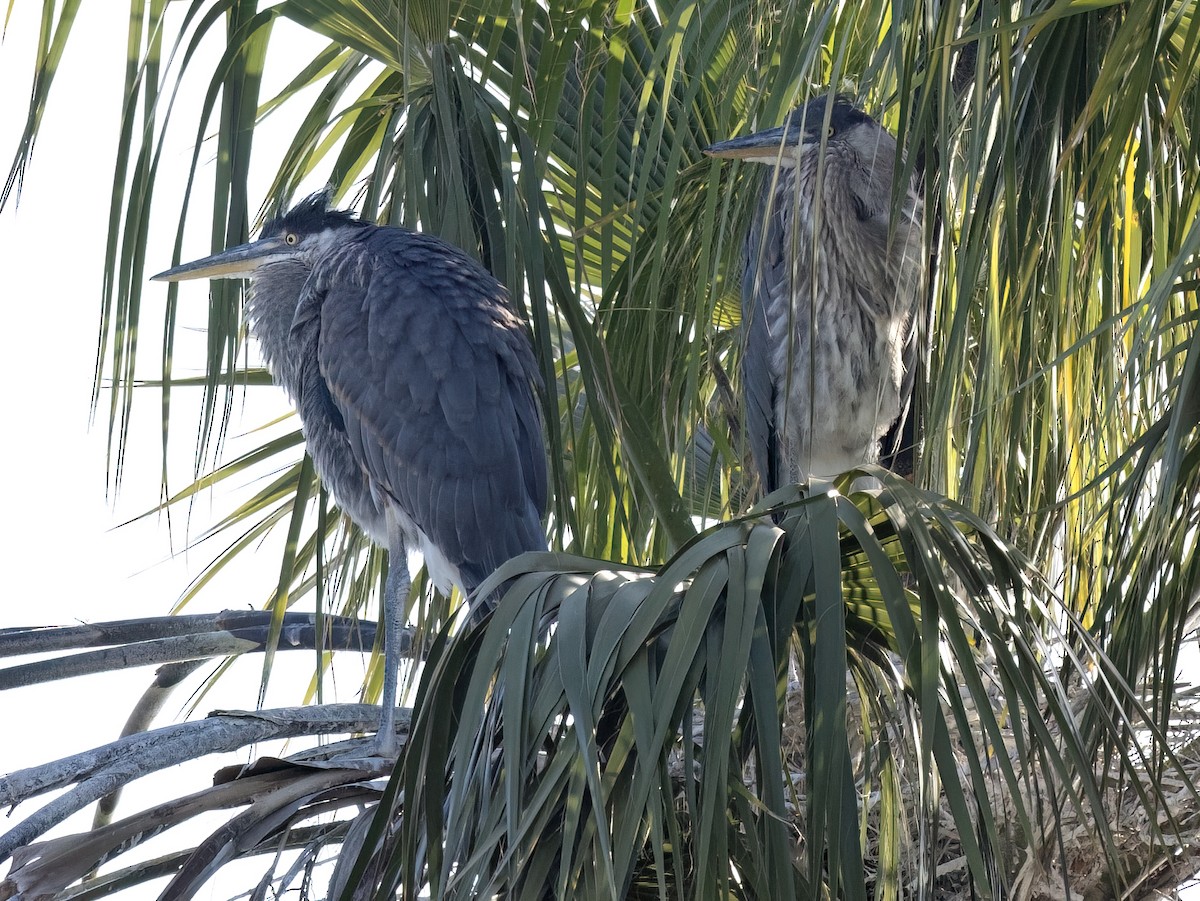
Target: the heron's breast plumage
(838, 303)
(291, 356)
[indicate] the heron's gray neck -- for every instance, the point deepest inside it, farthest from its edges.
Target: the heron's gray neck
(274, 293)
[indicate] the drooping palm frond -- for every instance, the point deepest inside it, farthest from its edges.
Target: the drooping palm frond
(738, 723)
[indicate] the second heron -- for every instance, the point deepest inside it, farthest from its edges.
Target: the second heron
(830, 294)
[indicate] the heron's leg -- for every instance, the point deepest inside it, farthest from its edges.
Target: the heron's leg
(395, 592)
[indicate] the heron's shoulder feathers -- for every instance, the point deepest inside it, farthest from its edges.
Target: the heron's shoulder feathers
(435, 381)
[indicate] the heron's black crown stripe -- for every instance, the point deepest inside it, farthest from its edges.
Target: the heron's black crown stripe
(311, 215)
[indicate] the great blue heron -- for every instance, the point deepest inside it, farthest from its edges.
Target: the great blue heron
(415, 386)
(830, 295)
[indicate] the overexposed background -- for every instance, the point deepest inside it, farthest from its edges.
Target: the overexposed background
(68, 557)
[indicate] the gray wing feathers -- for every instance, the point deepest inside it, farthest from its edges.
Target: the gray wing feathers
(766, 270)
(435, 382)
(908, 264)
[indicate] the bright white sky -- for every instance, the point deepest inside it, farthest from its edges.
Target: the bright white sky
(57, 538)
(66, 559)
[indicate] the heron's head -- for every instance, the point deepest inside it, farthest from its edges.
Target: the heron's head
(822, 121)
(299, 236)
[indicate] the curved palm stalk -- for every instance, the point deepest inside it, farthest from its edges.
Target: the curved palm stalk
(146, 642)
(280, 794)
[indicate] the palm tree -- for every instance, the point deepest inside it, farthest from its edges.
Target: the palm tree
(966, 683)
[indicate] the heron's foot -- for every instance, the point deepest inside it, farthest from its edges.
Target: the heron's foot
(383, 751)
(386, 744)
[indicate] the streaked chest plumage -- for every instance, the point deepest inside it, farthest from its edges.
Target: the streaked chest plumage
(838, 293)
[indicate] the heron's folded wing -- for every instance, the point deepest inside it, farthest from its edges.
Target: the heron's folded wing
(766, 268)
(908, 270)
(434, 380)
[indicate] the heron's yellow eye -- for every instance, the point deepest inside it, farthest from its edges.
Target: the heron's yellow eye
(291, 238)
(829, 132)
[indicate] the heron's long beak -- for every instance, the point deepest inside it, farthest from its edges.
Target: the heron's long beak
(236, 262)
(756, 146)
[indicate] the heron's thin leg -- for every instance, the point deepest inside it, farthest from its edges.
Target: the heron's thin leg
(395, 591)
